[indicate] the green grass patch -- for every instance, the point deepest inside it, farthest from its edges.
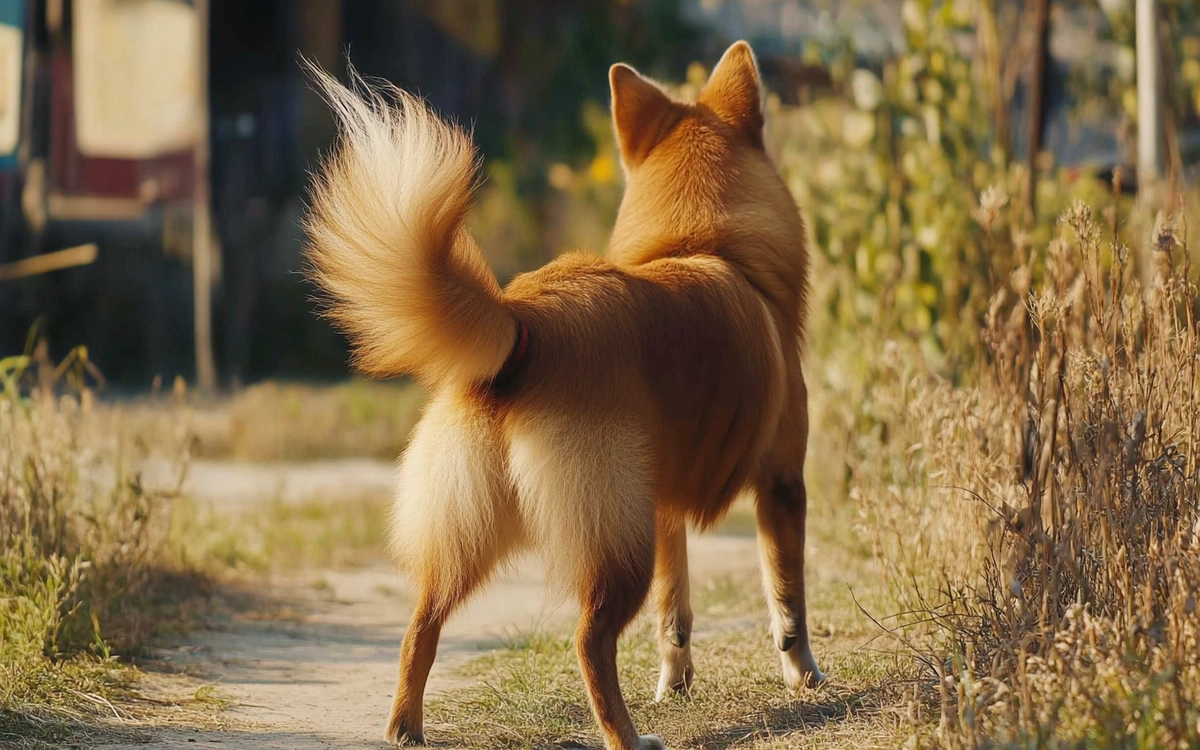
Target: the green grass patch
(320, 533)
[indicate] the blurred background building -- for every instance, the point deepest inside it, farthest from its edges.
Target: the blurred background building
(108, 109)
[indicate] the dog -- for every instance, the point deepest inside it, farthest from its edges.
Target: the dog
(595, 408)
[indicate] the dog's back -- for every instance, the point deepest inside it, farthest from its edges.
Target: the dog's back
(681, 350)
(692, 328)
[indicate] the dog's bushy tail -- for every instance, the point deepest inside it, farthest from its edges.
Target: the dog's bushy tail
(388, 245)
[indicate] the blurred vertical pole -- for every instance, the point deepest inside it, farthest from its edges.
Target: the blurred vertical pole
(1037, 101)
(1149, 100)
(320, 40)
(989, 46)
(202, 266)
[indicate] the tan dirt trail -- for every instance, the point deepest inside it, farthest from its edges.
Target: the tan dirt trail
(318, 670)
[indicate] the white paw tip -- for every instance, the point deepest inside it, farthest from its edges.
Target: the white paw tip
(804, 680)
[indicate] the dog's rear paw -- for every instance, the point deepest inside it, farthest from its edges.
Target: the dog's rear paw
(676, 674)
(809, 679)
(650, 742)
(800, 669)
(400, 734)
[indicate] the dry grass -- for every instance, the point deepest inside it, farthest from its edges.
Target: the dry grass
(277, 421)
(95, 564)
(529, 692)
(282, 537)
(88, 574)
(1041, 526)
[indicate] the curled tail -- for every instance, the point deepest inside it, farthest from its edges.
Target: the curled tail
(388, 245)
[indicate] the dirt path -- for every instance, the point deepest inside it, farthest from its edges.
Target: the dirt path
(320, 672)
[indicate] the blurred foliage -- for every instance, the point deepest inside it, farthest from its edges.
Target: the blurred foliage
(888, 176)
(1117, 84)
(887, 166)
(552, 110)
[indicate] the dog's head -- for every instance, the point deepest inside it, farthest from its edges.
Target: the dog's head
(728, 107)
(697, 174)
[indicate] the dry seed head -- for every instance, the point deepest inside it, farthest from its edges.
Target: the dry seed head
(991, 201)
(1164, 238)
(1060, 266)
(1021, 278)
(1078, 215)
(1020, 240)
(891, 355)
(1080, 218)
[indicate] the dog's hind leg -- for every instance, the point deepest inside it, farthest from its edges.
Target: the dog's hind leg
(584, 487)
(454, 521)
(672, 599)
(439, 596)
(614, 598)
(782, 505)
(417, 652)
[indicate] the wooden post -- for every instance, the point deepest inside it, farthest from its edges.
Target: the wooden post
(1149, 99)
(1037, 101)
(202, 265)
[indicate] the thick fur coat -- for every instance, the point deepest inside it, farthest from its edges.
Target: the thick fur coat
(594, 408)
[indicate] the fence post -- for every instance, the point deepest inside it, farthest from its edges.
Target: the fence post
(202, 266)
(1149, 99)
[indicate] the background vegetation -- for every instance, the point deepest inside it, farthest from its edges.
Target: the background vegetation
(1004, 376)
(1023, 440)
(90, 566)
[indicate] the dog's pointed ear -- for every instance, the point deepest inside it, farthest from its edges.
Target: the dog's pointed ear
(642, 113)
(733, 91)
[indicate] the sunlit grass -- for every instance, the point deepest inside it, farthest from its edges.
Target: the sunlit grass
(529, 692)
(285, 537)
(277, 421)
(88, 574)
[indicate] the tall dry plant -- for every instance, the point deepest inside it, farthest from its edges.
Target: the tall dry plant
(87, 564)
(1045, 521)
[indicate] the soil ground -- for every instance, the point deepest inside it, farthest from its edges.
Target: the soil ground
(317, 667)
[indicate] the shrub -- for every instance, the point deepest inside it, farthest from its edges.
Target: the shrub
(1045, 520)
(86, 570)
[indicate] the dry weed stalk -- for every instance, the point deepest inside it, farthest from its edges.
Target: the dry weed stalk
(1046, 519)
(86, 565)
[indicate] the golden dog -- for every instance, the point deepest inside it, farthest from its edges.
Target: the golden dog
(594, 408)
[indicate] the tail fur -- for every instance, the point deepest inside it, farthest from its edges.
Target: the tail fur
(388, 245)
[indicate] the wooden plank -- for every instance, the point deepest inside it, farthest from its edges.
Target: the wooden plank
(47, 262)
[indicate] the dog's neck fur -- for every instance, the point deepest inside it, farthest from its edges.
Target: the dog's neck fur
(698, 183)
(780, 279)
